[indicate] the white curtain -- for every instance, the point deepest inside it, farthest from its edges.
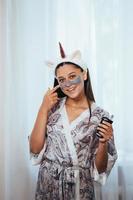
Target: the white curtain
(29, 34)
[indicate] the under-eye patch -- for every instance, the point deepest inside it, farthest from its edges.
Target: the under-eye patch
(69, 83)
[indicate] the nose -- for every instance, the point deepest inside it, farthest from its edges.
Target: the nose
(68, 83)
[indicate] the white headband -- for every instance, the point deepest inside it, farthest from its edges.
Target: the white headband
(74, 58)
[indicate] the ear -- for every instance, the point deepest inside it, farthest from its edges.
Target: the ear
(84, 75)
(49, 64)
(76, 55)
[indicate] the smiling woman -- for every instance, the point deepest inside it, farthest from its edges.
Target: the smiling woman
(64, 134)
(29, 32)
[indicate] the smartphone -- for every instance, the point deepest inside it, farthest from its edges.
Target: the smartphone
(104, 119)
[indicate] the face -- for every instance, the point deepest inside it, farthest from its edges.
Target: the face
(71, 80)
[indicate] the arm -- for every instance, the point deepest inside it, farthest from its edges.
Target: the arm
(101, 157)
(38, 135)
(101, 160)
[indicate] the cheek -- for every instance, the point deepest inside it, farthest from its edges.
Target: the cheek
(80, 87)
(81, 84)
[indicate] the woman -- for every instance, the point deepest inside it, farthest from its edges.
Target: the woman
(64, 140)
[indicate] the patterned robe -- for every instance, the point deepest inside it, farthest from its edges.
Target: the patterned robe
(67, 161)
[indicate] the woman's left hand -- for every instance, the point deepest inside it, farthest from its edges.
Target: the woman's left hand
(106, 131)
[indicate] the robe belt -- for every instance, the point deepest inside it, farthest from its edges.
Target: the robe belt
(55, 168)
(68, 175)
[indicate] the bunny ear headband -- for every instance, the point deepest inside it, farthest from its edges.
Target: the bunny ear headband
(74, 58)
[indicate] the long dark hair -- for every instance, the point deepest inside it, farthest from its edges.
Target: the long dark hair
(87, 85)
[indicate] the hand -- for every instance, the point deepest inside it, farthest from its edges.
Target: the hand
(50, 98)
(106, 131)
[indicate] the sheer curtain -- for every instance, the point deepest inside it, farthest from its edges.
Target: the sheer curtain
(29, 35)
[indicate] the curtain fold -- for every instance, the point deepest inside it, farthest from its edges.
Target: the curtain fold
(29, 35)
(2, 94)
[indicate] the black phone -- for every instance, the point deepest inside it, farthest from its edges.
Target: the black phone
(103, 119)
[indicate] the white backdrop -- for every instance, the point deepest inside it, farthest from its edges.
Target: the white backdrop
(29, 35)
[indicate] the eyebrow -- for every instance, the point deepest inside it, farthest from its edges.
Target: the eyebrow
(68, 74)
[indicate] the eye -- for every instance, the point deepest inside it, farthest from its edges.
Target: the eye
(72, 76)
(61, 80)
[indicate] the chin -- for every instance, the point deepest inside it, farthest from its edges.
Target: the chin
(73, 96)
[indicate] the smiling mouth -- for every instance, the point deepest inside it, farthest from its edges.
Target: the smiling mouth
(70, 89)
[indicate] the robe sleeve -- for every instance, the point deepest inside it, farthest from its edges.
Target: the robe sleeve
(112, 157)
(102, 177)
(37, 158)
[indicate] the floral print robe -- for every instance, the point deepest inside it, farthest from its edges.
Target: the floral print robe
(67, 161)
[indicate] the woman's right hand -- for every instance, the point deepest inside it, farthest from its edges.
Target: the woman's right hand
(50, 99)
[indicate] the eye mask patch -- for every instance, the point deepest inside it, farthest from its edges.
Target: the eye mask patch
(70, 82)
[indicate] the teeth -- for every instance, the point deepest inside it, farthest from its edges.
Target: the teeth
(70, 90)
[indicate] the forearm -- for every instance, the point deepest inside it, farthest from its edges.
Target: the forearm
(38, 134)
(101, 157)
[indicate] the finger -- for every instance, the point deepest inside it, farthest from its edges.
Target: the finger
(55, 88)
(55, 94)
(56, 98)
(53, 101)
(105, 126)
(104, 136)
(107, 123)
(105, 131)
(102, 130)
(50, 98)
(48, 91)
